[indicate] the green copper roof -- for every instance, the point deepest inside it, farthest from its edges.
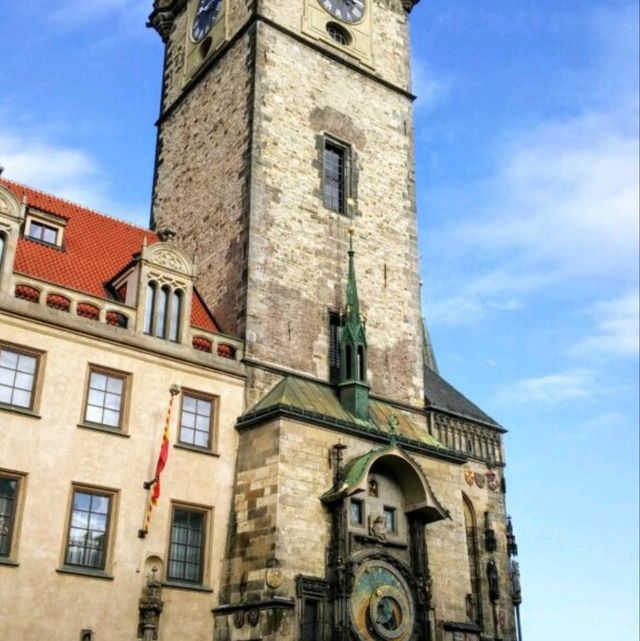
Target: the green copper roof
(355, 469)
(321, 402)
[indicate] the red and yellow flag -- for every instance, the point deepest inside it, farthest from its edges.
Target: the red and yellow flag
(160, 465)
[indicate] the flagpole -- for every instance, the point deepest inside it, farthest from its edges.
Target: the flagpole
(154, 484)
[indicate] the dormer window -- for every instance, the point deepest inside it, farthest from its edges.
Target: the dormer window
(45, 228)
(163, 312)
(44, 233)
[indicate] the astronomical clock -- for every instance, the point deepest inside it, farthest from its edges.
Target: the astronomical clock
(377, 564)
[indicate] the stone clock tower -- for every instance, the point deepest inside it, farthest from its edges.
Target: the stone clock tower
(285, 165)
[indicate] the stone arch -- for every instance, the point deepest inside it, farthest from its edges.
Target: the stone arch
(418, 495)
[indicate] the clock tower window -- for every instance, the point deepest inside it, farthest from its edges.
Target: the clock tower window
(339, 34)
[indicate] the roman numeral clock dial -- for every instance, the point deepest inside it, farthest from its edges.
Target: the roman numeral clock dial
(346, 10)
(204, 19)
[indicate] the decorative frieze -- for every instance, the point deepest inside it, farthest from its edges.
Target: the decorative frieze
(468, 438)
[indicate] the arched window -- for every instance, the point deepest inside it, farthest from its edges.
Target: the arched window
(161, 313)
(176, 315)
(362, 366)
(150, 308)
(164, 311)
(348, 364)
(474, 567)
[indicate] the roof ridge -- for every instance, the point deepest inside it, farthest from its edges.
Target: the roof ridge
(85, 208)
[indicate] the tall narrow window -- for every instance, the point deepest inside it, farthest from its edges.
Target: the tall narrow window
(161, 312)
(9, 488)
(311, 621)
(472, 552)
(176, 314)
(334, 347)
(88, 536)
(2, 244)
(150, 308)
(334, 187)
(186, 548)
(362, 366)
(348, 364)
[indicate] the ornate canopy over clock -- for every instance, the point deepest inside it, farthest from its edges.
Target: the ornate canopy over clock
(205, 17)
(345, 10)
(382, 606)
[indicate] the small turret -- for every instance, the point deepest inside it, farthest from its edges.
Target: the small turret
(353, 385)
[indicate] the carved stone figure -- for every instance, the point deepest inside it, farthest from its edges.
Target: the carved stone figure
(494, 580)
(150, 606)
(378, 528)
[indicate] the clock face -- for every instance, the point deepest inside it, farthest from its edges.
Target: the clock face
(345, 10)
(206, 16)
(382, 606)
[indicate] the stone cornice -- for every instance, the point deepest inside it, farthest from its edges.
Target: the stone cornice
(118, 336)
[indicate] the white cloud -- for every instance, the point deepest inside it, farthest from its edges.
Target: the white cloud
(429, 88)
(597, 427)
(567, 199)
(562, 204)
(617, 329)
(551, 389)
(64, 171)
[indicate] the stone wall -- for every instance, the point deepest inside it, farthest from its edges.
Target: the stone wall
(284, 467)
(298, 249)
(202, 177)
(54, 449)
(271, 259)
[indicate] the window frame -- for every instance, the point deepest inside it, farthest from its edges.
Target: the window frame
(93, 490)
(363, 518)
(208, 513)
(44, 227)
(345, 174)
(312, 590)
(212, 445)
(124, 400)
(3, 246)
(392, 511)
(334, 353)
(39, 356)
(11, 558)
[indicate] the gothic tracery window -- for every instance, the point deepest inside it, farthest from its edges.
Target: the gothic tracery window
(163, 312)
(473, 556)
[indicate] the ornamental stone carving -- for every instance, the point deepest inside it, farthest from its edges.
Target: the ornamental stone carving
(9, 205)
(170, 257)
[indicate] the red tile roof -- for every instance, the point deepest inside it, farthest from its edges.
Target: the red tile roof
(96, 249)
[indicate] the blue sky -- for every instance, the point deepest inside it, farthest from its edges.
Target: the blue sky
(527, 158)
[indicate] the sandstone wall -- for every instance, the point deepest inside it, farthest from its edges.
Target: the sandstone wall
(298, 249)
(38, 602)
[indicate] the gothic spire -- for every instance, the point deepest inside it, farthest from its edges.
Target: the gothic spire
(353, 320)
(354, 390)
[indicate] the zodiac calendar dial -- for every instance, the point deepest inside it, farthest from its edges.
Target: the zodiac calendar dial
(382, 606)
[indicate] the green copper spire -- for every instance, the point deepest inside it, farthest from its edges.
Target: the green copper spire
(354, 390)
(352, 319)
